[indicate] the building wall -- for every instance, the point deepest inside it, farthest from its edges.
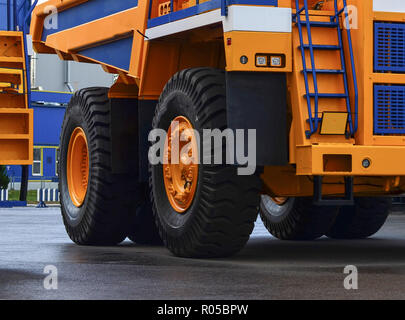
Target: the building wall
(52, 74)
(3, 12)
(47, 124)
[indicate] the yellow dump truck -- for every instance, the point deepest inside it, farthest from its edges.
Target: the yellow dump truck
(315, 89)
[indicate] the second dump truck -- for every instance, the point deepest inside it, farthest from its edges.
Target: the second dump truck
(322, 83)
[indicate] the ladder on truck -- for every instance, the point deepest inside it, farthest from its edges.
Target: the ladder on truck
(334, 23)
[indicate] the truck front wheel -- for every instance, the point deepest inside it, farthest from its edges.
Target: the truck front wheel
(201, 210)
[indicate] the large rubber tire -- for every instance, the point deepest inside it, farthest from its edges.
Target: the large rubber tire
(109, 209)
(362, 220)
(225, 206)
(296, 219)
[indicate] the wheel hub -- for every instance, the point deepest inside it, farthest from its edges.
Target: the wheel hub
(279, 200)
(78, 167)
(180, 174)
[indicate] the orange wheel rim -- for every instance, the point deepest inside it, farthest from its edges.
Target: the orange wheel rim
(180, 172)
(279, 200)
(78, 167)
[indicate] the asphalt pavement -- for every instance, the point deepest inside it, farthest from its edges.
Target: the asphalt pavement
(38, 261)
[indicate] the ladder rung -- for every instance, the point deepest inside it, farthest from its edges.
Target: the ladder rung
(321, 47)
(328, 95)
(11, 59)
(328, 71)
(10, 71)
(13, 136)
(320, 24)
(11, 91)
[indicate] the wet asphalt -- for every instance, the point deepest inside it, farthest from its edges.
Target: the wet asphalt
(32, 239)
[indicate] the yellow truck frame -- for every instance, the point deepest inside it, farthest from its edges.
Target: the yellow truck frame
(16, 120)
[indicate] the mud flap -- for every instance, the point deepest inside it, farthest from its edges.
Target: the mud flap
(258, 100)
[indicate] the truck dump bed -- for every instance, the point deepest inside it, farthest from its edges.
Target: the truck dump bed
(101, 31)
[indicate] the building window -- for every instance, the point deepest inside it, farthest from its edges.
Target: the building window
(37, 164)
(56, 161)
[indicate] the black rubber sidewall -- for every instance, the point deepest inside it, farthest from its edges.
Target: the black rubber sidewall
(73, 215)
(272, 218)
(175, 223)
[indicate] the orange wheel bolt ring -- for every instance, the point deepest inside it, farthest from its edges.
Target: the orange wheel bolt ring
(78, 167)
(279, 200)
(180, 178)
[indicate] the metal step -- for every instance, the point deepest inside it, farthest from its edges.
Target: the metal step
(12, 76)
(328, 95)
(320, 24)
(320, 47)
(11, 59)
(325, 71)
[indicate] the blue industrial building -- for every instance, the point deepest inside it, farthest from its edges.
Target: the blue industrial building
(49, 109)
(13, 12)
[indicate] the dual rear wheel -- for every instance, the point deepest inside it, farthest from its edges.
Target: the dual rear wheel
(300, 219)
(99, 207)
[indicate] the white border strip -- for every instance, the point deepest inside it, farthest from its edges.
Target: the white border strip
(190, 23)
(253, 18)
(240, 18)
(389, 6)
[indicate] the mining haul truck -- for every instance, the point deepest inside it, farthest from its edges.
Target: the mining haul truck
(319, 83)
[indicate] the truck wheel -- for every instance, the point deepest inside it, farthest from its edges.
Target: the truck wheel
(201, 210)
(362, 220)
(296, 218)
(97, 205)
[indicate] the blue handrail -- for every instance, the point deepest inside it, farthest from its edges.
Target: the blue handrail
(343, 62)
(353, 66)
(313, 122)
(224, 7)
(201, 7)
(29, 13)
(27, 61)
